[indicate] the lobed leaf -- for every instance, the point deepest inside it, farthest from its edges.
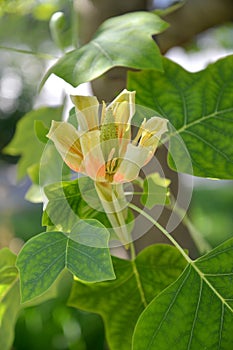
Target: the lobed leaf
(66, 205)
(200, 108)
(45, 256)
(114, 37)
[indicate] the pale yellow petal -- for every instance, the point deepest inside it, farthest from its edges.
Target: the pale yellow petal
(152, 131)
(86, 111)
(66, 141)
(123, 106)
(93, 157)
(133, 161)
(150, 134)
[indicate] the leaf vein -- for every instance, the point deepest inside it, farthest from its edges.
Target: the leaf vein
(209, 144)
(210, 256)
(168, 309)
(221, 327)
(103, 51)
(195, 315)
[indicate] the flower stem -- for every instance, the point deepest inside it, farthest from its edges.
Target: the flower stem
(132, 251)
(115, 206)
(162, 229)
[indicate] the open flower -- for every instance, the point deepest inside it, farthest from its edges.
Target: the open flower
(102, 148)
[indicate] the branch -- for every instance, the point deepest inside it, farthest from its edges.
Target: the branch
(193, 18)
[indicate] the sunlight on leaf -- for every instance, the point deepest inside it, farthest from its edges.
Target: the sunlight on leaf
(155, 191)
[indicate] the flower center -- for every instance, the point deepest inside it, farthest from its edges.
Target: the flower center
(109, 144)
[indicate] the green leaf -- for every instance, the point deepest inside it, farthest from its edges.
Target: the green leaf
(7, 258)
(9, 298)
(200, 107)
(25, 141)
(196, 312)
(67, 206)
(55, 291)
(120, 302)
(155, 191)
(50, 169)
(84, 253)
(41, 130)
(114, 45)
(34, 194)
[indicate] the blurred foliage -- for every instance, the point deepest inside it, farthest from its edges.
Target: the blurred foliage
(51, 325)
(40, 9)
(20, 74)
(211, 211)
(224, 35)
(54, 326)
(24, 223)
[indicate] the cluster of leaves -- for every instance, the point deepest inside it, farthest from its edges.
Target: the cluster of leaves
(39, 10)
(161, 297)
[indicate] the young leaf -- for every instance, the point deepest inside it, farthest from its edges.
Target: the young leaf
(196, 312)
(155, 191)
(41, 130)
(9, 298)
(45, 256)
(199, 106)
(113, 45)
(25, 141)
(120, 302)
(67, 206)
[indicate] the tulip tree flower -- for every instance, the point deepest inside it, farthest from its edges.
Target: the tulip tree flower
(102, 149)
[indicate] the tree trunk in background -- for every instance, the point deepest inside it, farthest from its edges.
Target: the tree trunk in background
(194, 17)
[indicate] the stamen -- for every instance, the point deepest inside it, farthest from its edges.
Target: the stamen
(111, 154)
(110, 169)
(109, 135)
(139, 133)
